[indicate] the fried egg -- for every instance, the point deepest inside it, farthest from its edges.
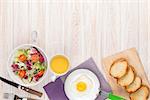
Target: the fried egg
(82, 84)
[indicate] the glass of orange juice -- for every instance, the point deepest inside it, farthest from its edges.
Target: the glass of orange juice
(59, 65)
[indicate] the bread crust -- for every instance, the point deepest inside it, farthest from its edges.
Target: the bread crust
(127, 79)
(121, 60)
(136, 95)
(137, 81)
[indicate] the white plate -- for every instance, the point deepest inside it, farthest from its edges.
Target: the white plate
(14, 77)
(89, 94)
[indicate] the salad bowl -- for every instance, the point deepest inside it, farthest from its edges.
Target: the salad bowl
(27, 65)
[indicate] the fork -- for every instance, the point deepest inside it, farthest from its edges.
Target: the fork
(11, 96)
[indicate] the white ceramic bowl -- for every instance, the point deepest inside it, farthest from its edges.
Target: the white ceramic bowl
(14, 77)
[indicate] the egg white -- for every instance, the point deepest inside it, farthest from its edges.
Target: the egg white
(86, 80)
(86, 76)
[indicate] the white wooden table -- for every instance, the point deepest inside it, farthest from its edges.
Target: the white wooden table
(79, 29)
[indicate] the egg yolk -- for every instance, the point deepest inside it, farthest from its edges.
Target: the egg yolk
(81, 86)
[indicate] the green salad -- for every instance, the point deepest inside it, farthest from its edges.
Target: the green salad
(29, 64)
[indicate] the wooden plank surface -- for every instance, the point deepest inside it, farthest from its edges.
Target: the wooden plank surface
(79, 29)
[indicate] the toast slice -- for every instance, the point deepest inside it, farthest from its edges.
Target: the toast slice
(127, 79)
(141, 94)
(135, 85)
(118, 68)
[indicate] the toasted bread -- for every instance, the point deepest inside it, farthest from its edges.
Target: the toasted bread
(135, 85)
(127, 79)
(141, 94)
(119, 68)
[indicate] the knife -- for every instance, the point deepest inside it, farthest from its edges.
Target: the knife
(110, 95)
(31, 91)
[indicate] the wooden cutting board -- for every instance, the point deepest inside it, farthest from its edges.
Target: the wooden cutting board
(133, 59)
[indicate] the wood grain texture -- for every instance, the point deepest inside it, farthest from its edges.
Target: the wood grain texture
(77, 28)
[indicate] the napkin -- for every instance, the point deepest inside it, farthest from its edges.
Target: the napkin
(55, 90)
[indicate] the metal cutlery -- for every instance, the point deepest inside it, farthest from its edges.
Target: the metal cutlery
(110, 95)
(11, 96)
(29, 90)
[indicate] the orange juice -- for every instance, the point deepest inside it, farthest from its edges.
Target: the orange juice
(59, 64)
